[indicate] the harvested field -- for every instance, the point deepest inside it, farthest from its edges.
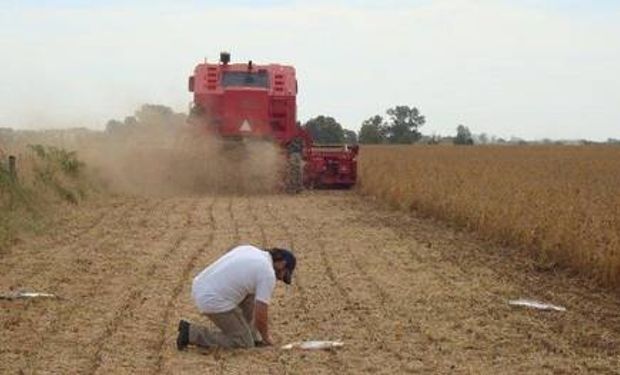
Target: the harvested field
(560, 202)
(406, 295)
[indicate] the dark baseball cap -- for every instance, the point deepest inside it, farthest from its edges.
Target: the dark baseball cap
(289, 259)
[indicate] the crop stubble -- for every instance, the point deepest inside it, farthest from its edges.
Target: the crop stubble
(405, 294)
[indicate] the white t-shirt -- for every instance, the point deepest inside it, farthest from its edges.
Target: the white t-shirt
(224, 284)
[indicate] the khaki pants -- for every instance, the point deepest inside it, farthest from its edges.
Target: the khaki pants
(236, 328)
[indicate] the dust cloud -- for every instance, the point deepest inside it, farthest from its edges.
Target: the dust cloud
(162, 155)
(185, 161)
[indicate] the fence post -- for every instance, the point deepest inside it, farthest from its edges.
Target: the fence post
(12, 167)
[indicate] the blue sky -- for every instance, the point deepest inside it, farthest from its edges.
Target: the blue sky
(527, 68)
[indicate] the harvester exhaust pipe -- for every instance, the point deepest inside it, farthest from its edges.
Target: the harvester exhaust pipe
(225, 57)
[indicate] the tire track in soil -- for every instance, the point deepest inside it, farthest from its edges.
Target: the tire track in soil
(237, 236)
(54, 239)
(426, 330)
(386, 300)
(64, 317)
(443, 330)
(130, 302)
(219, 355)
(352, 307)
(401, 316)
(382, 296)
(43, 272)
(66, 235)
(291, 239)
(362, 265)
(191, 264)
(250, 228)
(462, 264)
(254, 221)
(56, 321)
(245, 219)
(341, 367)
(210, 359)
(134, 298)
(241, 213)
(87, 228)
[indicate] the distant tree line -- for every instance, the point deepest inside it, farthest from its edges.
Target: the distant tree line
(326, 130)
(400, 125)
(147, 116)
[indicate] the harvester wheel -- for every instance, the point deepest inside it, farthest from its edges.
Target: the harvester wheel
(294, 183)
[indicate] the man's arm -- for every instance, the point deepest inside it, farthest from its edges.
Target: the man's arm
(261, 320)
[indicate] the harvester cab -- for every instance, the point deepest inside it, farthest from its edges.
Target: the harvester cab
(240, 101)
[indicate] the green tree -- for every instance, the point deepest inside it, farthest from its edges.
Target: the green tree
(373, 131)
(403, 124)
(113, 126)
(350, 137)
(161, 116)
(325, 130)
(153, 112)
(148, 116)
(463, 136)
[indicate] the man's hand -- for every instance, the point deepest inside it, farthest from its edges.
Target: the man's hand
(261, 320)
(267, 341)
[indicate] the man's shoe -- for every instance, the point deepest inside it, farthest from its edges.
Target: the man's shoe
(183, 336)
(259, 343)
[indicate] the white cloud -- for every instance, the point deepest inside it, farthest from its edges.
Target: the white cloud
(496, 67)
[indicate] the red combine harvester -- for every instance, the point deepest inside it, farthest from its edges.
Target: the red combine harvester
(240, 102)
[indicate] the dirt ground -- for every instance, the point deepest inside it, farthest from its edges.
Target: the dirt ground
(405, 294)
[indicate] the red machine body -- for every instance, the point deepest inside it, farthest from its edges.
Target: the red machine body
(237, 101)
(331, 166)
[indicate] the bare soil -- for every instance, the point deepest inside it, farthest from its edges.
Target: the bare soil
(405, 294)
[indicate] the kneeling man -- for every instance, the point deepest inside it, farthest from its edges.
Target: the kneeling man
(234, 293)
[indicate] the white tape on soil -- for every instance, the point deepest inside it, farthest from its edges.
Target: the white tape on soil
(536, 304)
(24, 295)
(313, 345)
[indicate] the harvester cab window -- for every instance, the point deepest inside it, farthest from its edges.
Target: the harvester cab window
(247, 79)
